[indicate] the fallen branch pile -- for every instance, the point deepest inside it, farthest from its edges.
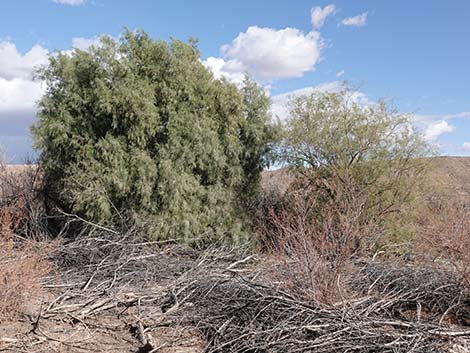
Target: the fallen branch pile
(236, 315)
(432, 295)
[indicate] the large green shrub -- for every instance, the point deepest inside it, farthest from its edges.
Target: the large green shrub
(141, 128)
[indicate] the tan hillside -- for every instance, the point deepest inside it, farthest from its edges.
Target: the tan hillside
(447, 175)
(452, 175)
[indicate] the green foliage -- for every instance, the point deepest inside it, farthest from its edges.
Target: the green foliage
(141, 127)
(257, 135)
(362, 162)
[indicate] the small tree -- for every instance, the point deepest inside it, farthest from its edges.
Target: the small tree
(142, 128)
(360, 162)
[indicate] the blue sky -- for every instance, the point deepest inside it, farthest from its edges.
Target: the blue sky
(414, 53)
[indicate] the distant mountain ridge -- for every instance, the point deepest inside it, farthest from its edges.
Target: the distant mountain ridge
(452, 174)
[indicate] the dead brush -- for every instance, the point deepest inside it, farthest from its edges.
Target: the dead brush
(242, 314)
(444, 237)
(22, 264)
(24, 248)
(413, 292)
(312, 243)
(22, 199)
(21, 268)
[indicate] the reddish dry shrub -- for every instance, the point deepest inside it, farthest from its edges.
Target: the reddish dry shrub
(445, 236)
(312, 242)
(21, 267)
(21, 195)
(24, 248)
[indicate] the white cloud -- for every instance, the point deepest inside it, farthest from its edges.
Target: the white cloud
(18, 90)
(436, 129)
(340, 73)
(433, 126)
(269, 54)
(220, 69)
(280, 102)
(433, 118)
(319, 15)
(85, 43)
(357, 21)
(15, 65)
(70, 2)
(466, 146)
(17, 112)
(18, 95)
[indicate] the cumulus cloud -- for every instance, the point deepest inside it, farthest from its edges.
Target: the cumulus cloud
(85, 43)
(434, 126)
(269, 54)
(466, 146)
(436, 129)
(15, 65)
(220, 68)
(340, 73)
(18, 90)
(18, 94)
(280, 102)
(357, 21)
(70, 2)
(319, 15)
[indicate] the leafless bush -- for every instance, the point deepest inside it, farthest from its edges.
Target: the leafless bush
(313, 241)
(22, 200)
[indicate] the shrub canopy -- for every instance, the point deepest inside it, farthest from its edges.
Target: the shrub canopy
(140, 127)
